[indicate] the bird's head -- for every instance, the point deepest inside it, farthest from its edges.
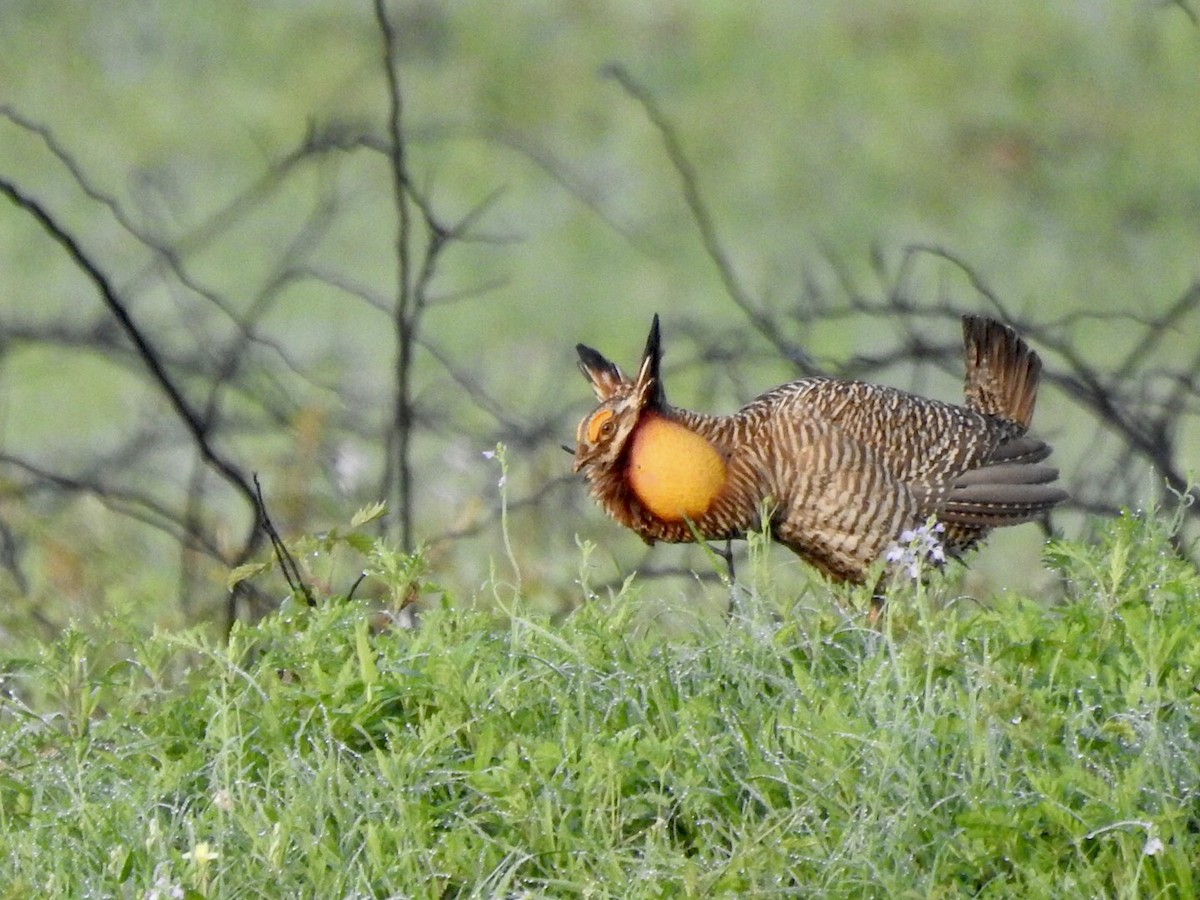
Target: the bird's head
(603, 433)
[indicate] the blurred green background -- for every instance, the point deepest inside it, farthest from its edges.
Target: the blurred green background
(1053, 146)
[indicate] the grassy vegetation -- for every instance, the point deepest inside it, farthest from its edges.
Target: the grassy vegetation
(1013, 748)
(1050, 145)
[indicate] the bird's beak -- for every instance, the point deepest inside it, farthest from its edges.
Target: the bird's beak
(579, 460)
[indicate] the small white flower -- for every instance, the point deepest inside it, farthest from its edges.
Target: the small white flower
(1154, 846)
(498, 454)
(917, 546)
(164, 889)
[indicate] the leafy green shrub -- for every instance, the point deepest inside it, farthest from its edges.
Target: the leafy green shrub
(1018, 748)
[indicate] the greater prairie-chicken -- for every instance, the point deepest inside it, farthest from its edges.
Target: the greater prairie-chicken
(842, 467)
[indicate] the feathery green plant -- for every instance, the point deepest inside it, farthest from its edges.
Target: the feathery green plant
(1013, 748)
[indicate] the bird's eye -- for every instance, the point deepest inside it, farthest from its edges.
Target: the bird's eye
(602, 426)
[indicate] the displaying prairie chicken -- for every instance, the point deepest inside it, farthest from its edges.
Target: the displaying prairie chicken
(843, 467)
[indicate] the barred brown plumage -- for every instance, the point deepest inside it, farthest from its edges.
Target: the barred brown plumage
(845, 467)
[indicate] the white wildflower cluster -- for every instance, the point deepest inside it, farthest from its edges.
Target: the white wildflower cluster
(917, 547)
(164, 888)
(498, 453)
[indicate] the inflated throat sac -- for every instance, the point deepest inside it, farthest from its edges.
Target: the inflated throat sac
(675, 472)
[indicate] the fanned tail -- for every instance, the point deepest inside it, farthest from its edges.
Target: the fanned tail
(1011, 487)
(1002, 372)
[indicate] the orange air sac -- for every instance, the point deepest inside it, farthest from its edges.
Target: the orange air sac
(675, 472)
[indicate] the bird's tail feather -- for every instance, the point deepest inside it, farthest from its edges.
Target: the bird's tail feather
(1002, 371)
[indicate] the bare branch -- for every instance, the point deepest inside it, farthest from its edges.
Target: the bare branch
(287, 562)
(196, 426)
(698, 208)
(136, 505)
(398, 471)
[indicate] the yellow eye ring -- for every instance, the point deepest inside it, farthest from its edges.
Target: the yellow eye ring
(602, 426)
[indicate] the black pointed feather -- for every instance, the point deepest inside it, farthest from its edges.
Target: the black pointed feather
(591, 359)
(649, 380)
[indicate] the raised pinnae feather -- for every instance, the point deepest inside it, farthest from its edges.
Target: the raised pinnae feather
(606, 379)
(649, 382)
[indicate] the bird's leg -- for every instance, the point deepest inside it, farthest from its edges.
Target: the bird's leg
(727, 555)
(878, 599)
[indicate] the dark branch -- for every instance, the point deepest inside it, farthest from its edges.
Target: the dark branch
(690, 183)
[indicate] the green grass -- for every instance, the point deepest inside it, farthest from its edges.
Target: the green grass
(1013, 748)
(1051, 146)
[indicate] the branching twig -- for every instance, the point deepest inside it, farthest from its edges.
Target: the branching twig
(197, 427)
(287, 562)
(698, 209)
(132, 504)
(406, 312)
(413, 281)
